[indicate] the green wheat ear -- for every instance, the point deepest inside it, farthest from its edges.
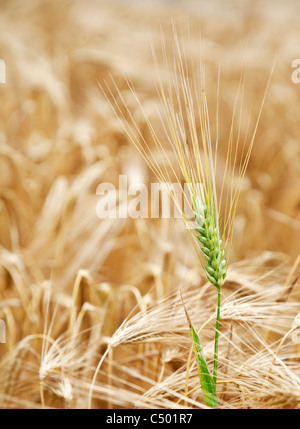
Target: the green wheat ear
(212, 246)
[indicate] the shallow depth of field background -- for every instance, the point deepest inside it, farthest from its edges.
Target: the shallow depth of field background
(69, 280)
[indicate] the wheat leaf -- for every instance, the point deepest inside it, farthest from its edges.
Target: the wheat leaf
(207, 382)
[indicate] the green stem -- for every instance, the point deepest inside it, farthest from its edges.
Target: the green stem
(217, 337)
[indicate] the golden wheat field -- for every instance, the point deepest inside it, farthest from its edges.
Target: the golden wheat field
(91, 311)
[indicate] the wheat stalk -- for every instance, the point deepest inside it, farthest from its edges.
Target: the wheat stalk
(186, 123)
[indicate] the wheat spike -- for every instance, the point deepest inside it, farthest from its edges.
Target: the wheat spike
(212, 247)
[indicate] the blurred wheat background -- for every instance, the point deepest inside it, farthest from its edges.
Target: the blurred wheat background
(75, 289)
